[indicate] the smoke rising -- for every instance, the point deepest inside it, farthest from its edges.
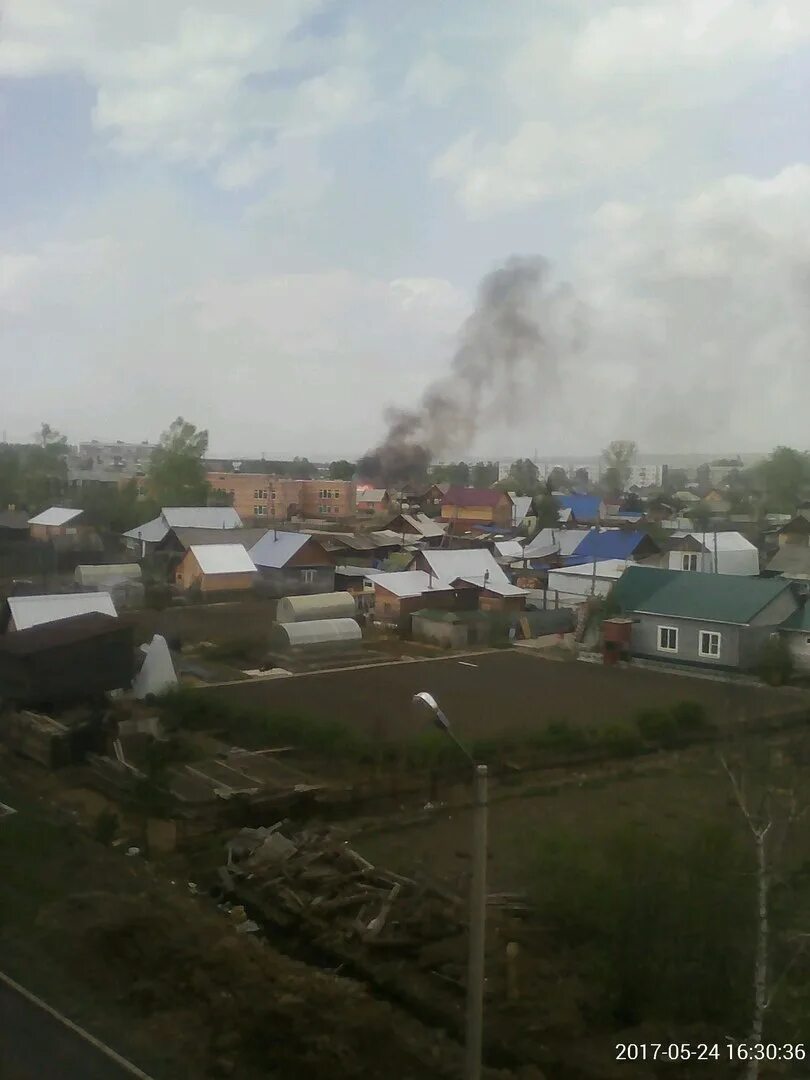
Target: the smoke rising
(520, 329)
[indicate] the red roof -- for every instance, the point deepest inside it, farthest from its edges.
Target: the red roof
(464, 496)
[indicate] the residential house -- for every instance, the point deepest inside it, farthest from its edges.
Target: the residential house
(418, 526)
(293, 564)
(582, 509)
(429, 498)
(178, 541)
(399, 594)
(791, 561)
(145, 538)
(55, 521)
(473, 565)
(716, 503)
(521, 510)
(796, 531)
(630, 545)
(216, 568)
(24, 612)
(552, 545)
(464, 506)
(686, 498)
(373, 500)
(711, 620)
(484, 595)
(714, 552)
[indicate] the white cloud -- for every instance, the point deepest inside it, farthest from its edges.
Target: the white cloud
(433, 81)
(539, 162)
(184, 81)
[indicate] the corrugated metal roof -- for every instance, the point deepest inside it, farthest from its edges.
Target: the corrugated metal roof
(509, 549)
(55, 515)
(554, 541)
(610, 543)
(422, 524)
(223, 559)
(638, 583)
(62, 632)
(583, 507)
(319, 632)
(799, 620)
(464, 563)
(151, 532)
(404, 583)
(500, 588)
(724, 541)
(792, 561)
(605, 568)
(371, 495)
(357, 571)
(275, 549)
(201, 517)
(246, 537)
(522, 504)
(28, 611)
(464, 496)
(725, 598)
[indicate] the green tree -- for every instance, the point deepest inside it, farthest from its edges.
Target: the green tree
(784, 477)
(484, 474)
(547, 510)
(524, 477)
(176, 469)
(456, 473)
(341, 470)
(113, 509)
(302, 468)
(618, 457)
(558, 480)
(582, 479)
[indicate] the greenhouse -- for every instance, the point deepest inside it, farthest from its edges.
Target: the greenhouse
(317, 606)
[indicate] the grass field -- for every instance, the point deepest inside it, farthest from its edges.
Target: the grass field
(496, 693)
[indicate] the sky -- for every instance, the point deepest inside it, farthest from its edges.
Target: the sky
(272, 218)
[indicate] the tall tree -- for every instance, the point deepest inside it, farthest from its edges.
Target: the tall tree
(176, 468)
(524, 477)
(582, 478)
(341, 469)
(302, 469)
(547, 510)
(784, 476)
(558, 479)
(483, 474)
(618, 457)
(456, 473)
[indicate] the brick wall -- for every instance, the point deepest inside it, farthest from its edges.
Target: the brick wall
(256, 495)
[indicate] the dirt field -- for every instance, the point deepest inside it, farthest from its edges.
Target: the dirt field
(206, 622)
(497, 692)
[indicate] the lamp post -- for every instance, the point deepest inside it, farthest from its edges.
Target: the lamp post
(426, 703)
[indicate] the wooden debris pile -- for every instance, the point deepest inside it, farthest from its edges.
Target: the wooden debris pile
(316, 880)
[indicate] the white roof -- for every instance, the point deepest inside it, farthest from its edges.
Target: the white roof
(605, 568)
(275, 549)
(465, 563)
(55, 515)
(28, 611)
(725, 541)
(152, 532)
(371, 495)
(201, 517)
(223, 559)
(423, 525)
(554, 541)
(522, 505)
(408, 582)
(509, 549)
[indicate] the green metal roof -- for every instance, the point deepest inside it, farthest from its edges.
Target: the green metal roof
(725, 598)
(637, 583)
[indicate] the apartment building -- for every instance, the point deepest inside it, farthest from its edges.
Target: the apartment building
(259, 496)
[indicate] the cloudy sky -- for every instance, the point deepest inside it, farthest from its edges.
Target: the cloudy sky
(271, 217)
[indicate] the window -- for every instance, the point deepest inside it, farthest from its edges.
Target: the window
(260, 511)
(259, 494)
(709, 644)
(667, 639)
(307, 576)
(689, 561)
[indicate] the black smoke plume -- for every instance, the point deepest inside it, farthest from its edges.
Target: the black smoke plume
(513, 337)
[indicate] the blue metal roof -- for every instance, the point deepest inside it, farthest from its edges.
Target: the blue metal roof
(609, 544)
(583, 507)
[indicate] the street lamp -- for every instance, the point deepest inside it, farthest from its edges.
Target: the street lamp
(426, 704)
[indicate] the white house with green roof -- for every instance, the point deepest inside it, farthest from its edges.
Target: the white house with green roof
(711, 620)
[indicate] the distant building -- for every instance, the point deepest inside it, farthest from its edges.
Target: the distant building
(216, 568)
(55, 521)
(115, 455)
(373, 500)
(476, 506)
(714, 552)
(263, 497)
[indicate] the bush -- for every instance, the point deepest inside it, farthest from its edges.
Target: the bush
(621, 738)
(775, 662)
(659, 727)
(564, 737)
(691, 717)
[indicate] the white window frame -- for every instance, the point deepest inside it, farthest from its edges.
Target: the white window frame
(707, 653)
(308, 576)
(687, 559)
(260, 511)
(668, 648)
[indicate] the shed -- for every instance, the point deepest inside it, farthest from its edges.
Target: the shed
(24, 612)
(55, 521)
(320, 633)
(714, 552)
(74, 658)
(323, 606)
